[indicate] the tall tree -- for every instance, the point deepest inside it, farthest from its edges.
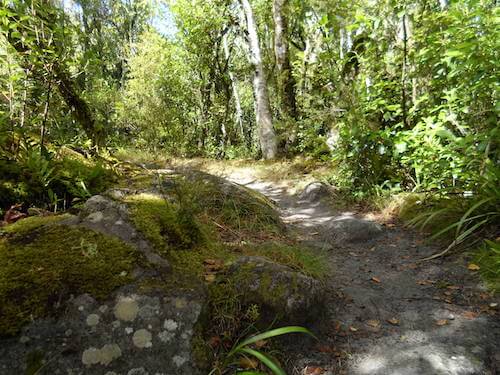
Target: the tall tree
(286, 84)
(33, 31)
(267, 135)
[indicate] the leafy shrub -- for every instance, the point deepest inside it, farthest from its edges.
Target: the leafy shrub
(50, 180)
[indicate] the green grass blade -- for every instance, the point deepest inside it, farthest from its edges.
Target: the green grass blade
(432, 216)
(469, 231)
(414, 221)
(273, 366)
(469, 211)
(272, 333)
(450, 227)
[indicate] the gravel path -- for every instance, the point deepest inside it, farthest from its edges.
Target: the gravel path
(387, 314)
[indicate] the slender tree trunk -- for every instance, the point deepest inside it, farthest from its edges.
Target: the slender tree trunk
(286, 84)
(403, 74)
(234, 86)
(267, 136)
(45, 117)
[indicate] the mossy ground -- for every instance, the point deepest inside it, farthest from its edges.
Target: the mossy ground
(31, 223)
(49, 264)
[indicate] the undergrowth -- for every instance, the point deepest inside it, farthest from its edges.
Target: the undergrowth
(51, 178)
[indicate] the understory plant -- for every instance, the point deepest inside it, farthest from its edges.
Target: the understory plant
(468, 218)
(247, 348)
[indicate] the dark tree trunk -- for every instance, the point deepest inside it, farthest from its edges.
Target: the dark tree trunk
(286, 84)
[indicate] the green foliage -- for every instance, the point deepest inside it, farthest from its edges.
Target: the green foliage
(244, 349)
(50, 180)
(48, 265)
(488, 258)
(464, 219)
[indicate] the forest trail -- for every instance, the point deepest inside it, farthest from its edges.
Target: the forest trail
(388, 314)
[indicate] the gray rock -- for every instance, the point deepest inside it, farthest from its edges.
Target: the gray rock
(345, 230)
(277, 289)
(315, 192)
(160, 342)
(107, 216)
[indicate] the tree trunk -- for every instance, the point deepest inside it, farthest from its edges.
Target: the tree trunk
(45, 116)
(403, 74)
(286, 84)
(236, 95)
(267, 136)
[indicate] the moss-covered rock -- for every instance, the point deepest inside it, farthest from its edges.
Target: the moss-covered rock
(163, 224)
(232, 207)
(279, 292)
(38, 271)
(112, 218)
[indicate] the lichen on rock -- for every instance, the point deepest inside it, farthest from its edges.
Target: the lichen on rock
(48, 265)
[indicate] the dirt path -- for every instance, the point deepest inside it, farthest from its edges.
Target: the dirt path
(388, 315)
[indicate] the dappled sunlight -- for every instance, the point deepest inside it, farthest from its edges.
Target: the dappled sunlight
(432, 350)
(418, 359)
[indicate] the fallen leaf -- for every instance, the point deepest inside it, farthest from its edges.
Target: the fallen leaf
(210, 278)
(247, 362)
(442, 322)
(313, 370)
(373, 323)
(376, 279)
(473, 267)
(353, 329)
(471, 315)
(453, 287)
(214, 341)
(261, 343)
(13, 214)
(393, 321)
(325, 349)
(337, 326)
(425, 282)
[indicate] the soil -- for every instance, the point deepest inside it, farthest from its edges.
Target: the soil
(388, 313)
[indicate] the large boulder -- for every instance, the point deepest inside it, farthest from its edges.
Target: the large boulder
(130, 334)
(344, 230)
(279, 291)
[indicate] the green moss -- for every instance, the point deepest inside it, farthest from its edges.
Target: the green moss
(240, 210)
(299, 258)
(200, 351)
(39, 270)
(34, 362)
(163, 224)
(31, 223)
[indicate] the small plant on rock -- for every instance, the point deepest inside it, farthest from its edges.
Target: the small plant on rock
(248, 348)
